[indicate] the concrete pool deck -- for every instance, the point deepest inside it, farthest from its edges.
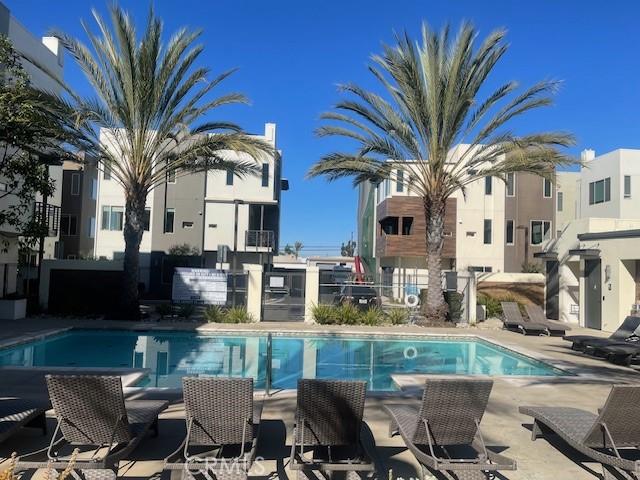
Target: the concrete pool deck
(502, 425)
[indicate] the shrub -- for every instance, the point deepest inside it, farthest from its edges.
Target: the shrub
(371, 316)
(325, 314)
(493, 306)
(214, 314)
(237, 315)
(186, 310)
(397, 316)
(454, 301)
(183, 250)
(164, 309)
(348, 314)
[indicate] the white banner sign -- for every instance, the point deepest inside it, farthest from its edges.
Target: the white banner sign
(199, 285)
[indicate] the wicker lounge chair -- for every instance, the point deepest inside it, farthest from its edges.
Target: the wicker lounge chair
(16, 413)
(92, 414)
(622, 353)
(625, 331)
(536, 315)
(512, 320)
(444, 432)
(605, 437)
(328, 420)
(222, 429)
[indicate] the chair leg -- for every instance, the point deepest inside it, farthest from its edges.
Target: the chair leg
(536, 431)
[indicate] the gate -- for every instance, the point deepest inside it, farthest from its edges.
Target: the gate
(283, 296)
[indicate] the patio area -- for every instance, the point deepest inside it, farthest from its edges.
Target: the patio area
(502, 427)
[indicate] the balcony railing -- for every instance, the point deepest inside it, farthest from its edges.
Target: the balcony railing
(260, 238)
(48, 216)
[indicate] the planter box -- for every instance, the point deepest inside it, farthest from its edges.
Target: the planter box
(13, 309)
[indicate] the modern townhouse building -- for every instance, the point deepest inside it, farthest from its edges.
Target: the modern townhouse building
(494, 226)
(78, 210)
(593, 264)
(216, 214)
(45, 52)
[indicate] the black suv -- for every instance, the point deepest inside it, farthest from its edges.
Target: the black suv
(362, 296)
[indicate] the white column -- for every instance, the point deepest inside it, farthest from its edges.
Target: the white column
(254, 290)
(311, 292)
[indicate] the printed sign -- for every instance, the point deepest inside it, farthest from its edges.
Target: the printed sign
(206, 286)
(276, 282)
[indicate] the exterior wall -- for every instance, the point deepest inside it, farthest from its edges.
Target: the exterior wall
(412, 245)
(186, 198)
(614, 165)
(567, 184)
(196, 206)
(528, 204)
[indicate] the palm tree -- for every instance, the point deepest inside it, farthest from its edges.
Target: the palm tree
(147, 119)
(297, 247)
(434, 127)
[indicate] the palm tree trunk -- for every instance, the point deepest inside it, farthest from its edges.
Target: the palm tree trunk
(133, 229)
(436, 308)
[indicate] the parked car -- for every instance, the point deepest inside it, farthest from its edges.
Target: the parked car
(362, 296)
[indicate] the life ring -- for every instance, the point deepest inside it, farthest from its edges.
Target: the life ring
(410, 353)
(412, 300)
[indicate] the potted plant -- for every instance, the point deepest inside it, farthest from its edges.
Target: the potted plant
(13, 307)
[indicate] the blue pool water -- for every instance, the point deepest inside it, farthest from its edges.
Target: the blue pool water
(169, 356)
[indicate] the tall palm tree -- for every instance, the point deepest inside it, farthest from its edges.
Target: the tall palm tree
(147, 118)
(433, 124)
(298, 246)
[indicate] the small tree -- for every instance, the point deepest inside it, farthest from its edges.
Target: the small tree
(297, 248)
(288, 249)
(31, 137)
(348, 249)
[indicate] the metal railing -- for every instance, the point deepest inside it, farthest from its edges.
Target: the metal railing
(47, 216)
(269, 371)
(259, 238)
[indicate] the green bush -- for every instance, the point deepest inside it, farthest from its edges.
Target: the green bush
(348, 314)
(397, 316)
(371, 316)
(164, 309)
(454, 301)
(325, 314)
(493, 306)
(237, 315)
(186, 310)
(214, 314)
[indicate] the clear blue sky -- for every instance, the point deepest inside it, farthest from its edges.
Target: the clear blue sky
(291, 54)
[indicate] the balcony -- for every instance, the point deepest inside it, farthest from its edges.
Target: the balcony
(260, 240)
(48, 216)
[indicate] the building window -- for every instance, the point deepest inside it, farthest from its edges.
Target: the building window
(540, 231)
(488, 184)
(169, 217)
(560, 201)
(600, 191)
(75, 184)
(547, 188)
(92, 227)
(509, 232)
(484, 269)
(187, 224)
(487, 232)
(389, 225)
(229, 176)
(400, 181)
(386, 188)
(627, 186)
(265, 174)
(146, 220)
(171, 173)
(68, 224)
(112, 218)
(106, 173)
(511, 184)
(407, 223)
(94, 189)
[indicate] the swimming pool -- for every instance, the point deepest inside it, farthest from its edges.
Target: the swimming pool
(170, 355)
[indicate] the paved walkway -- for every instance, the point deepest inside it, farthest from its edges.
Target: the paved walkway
(503, 427)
